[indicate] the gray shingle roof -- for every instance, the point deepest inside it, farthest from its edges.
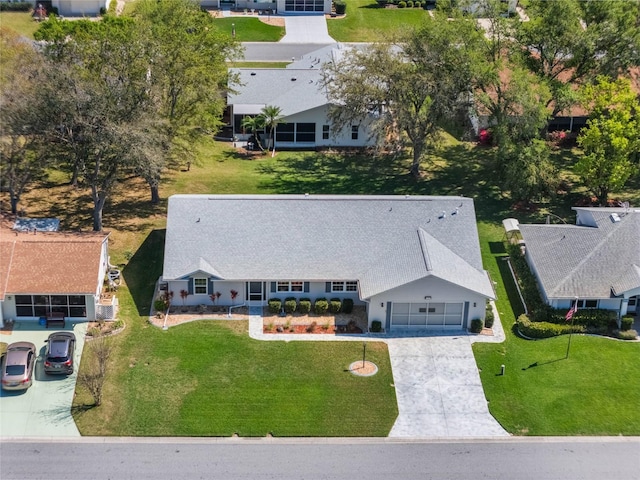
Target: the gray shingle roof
(587, 261)
(382, 241)
(275, 86)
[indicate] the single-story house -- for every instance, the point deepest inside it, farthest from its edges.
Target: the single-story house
(597, 260)
(412, 261)
(304, 104)
(79, 8)
(282, 7)
(44, 272)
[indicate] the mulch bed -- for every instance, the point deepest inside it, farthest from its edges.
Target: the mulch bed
(331, 329)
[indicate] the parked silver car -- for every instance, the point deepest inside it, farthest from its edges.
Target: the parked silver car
(58, 357)
(17, 367)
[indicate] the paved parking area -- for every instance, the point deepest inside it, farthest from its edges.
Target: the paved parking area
(306, 29)
(44, 410)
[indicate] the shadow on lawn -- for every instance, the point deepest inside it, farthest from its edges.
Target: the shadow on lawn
(143, 269)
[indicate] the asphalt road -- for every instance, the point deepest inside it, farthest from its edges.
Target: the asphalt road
(277, 52)
(614, 458)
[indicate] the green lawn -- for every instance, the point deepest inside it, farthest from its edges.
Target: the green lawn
(366, 22)
(250, 29)
(21, 22)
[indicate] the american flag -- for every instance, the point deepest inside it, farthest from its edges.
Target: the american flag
(571, 311)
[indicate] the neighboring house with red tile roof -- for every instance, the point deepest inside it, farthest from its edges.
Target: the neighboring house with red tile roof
(44, 272)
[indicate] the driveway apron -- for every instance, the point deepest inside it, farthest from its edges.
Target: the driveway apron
(44, 410)
(438, 389)
(306, 29)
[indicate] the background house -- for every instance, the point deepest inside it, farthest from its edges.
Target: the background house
(44, 271)
(304, 104)
(298, 7)
(596, 260)
(79, 8)
(413, 262)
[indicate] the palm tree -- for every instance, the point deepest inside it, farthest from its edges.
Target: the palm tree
(272, 118)
(253, 124)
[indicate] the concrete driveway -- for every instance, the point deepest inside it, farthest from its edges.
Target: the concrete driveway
(306, 29)
(438, 389)
(44, 410)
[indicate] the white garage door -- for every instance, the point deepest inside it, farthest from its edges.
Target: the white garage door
(426, 315)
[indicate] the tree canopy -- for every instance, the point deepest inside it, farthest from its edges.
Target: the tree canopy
(408, 87)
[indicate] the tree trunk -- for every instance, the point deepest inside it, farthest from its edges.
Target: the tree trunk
(415, 164)
(99, 199)
(155, 196)
(14, 203)
(603, 196)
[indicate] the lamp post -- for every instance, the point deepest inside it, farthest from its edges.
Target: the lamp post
(233, 30)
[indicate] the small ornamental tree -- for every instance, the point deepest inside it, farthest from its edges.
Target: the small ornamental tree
(183, 295)
(234, 294)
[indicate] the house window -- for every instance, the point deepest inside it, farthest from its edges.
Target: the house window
(285, 132)
(632, 301)
(354, 132)
(587, 303)
(325, 132)
(306, 132)
(41, 305)
(200, 286)
(344, 286)
(290, 286)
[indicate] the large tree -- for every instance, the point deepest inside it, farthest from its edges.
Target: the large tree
(24, 153)
(187, 70)
(408, 87)
(101, 104)
(611, 137)
(570, 42)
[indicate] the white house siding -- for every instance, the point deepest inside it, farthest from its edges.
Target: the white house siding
(439, 291)
(320, 116)
(316, 290)
(9, 310)
(80, 7)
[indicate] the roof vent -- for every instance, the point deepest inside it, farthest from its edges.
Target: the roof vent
(253, 74)
(293, 79)
(443, 214)
(615, 218)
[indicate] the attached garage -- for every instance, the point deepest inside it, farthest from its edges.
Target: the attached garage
(427, 315)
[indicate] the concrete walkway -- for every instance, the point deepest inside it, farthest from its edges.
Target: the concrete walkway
(438, 387)
(306, 29)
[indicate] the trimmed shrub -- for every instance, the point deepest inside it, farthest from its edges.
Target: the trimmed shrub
(290, 305)
(335, 305)
(626, 323)
(347, 305)
(410, 4)
(545, 329)
(304, 306)
(275, 305)
(626, 334)
(16, 6)
(488, 318)
(321, 306)
(376, 326)
(341, 7)
(160, 305)
(476, 325)
(402, 4)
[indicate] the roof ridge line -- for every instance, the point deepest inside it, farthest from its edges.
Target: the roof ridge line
(423, 248)
(589, 255)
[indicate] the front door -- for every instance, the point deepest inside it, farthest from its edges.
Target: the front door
(255, 293)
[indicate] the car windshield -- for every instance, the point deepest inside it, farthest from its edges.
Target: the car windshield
(15, 369)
